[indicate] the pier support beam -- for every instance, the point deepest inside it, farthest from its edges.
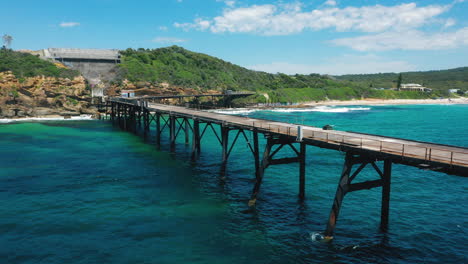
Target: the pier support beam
(386, 181)
(158, 130)
(172, 131)
(225, 143)
(186, 130)
(302, 165)
(268, 160)
(345, 185)
(195, 139)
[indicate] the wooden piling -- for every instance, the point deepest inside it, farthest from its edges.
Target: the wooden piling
(261, 171)
(225, 143)
(340, 193)
(186, 130)
(386, 181)
(196, 139)
(302, 165)
(172, 131)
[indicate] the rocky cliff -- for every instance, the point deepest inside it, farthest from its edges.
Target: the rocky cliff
(41, 96)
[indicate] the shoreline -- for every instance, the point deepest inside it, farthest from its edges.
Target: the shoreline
(363, 102)
(371, 101)
(46, 118)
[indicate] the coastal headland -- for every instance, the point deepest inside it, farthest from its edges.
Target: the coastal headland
(42, 87)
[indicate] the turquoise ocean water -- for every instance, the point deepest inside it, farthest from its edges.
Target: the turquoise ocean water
(85, 192)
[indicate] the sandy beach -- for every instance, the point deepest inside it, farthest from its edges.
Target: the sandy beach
(371, 101)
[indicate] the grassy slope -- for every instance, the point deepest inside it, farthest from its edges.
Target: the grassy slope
(438, 80)
(181, 67)
(27, 65)
(185, 68)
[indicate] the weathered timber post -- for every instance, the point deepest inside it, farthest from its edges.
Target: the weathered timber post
(107, 109)
(256, 153)
(135, 114)
(345, 185)
(158, 130)
(186, 130)
(141, 114)
(195, 138)
(340, 193)
(386, 181)
(148, 120)
(261, 171)
(125, 119)
(126, 115)
(145, 117)
(225, 142)
(172, 131)
(302, 165)
(112, 113)
(119, 116)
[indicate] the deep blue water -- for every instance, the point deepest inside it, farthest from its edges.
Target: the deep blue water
(85, 192)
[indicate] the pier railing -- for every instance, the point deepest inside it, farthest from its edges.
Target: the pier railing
(411, 149)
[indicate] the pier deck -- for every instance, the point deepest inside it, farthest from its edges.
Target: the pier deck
(360, 149)
(448, 159)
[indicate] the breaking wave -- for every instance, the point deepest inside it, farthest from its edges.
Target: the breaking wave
(240, 111)
(29, 119)
(324, 109)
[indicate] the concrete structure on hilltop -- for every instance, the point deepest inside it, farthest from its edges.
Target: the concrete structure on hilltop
(96, 65)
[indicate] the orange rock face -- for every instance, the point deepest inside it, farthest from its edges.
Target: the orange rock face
(21, 97)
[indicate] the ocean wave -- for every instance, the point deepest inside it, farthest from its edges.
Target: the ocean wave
(29, 119)
(240, 111)
(323, 109)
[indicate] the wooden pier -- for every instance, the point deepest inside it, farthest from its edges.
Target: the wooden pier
(361, 149)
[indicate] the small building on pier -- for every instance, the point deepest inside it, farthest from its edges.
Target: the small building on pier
(127, 93)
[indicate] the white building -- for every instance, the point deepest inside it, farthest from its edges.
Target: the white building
(414, 87)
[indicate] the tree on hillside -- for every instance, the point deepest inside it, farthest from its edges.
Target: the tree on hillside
(399, 82)
(7, 39)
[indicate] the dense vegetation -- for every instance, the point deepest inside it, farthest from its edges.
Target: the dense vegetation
(179, 66)
(27, 65)
(436, 80)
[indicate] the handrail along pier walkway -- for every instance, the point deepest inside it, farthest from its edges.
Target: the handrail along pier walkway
(361, 149)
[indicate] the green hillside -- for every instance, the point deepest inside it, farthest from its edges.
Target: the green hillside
(438, 80)
(181, 67)
(27, 65)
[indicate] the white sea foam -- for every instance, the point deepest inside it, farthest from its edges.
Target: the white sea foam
(324, 109)
(32, 119)
(239, 111)
(316, 236)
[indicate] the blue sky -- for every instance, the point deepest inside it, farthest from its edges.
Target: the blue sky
(327, 36)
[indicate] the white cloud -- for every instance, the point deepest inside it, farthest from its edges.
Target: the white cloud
(347, 64)
(229, 3)
(330, 3)
(199, 24)
(166, 40)
(163, 28)
(69, 24)
(286, 19)
(408, 40)
(449, 22)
